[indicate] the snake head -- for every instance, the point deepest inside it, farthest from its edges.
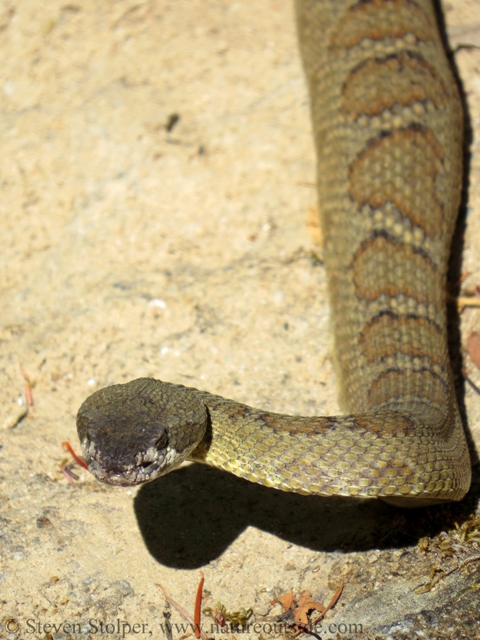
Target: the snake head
(133, 433)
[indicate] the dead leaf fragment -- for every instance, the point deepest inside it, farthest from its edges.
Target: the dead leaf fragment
(473, 347)
(286, 600)
(313, 225)
(306, 604)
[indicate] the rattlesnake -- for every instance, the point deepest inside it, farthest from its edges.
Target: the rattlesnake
(387, 120)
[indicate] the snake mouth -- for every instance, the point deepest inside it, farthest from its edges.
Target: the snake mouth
(126, 476)
(130, 470)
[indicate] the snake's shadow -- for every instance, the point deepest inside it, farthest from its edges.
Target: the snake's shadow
(189, 517)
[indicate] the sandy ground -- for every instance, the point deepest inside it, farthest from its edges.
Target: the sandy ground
(137, 246)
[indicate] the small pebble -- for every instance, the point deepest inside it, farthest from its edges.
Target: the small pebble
(17, 414)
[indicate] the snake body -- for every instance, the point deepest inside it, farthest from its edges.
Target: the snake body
(387, 120)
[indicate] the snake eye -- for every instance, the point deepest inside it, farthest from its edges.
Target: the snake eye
(161, 441)
(157, 435)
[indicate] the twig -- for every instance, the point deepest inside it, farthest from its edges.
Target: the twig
(68, 474)
(198, 604)
(467, 301)
(28, 386)
(304, 183)
(66, 446)
(186, 616)
(471, 383)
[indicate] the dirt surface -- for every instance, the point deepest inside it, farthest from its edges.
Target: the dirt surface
(157, 173)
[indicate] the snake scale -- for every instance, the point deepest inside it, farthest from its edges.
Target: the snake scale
(387, 121)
